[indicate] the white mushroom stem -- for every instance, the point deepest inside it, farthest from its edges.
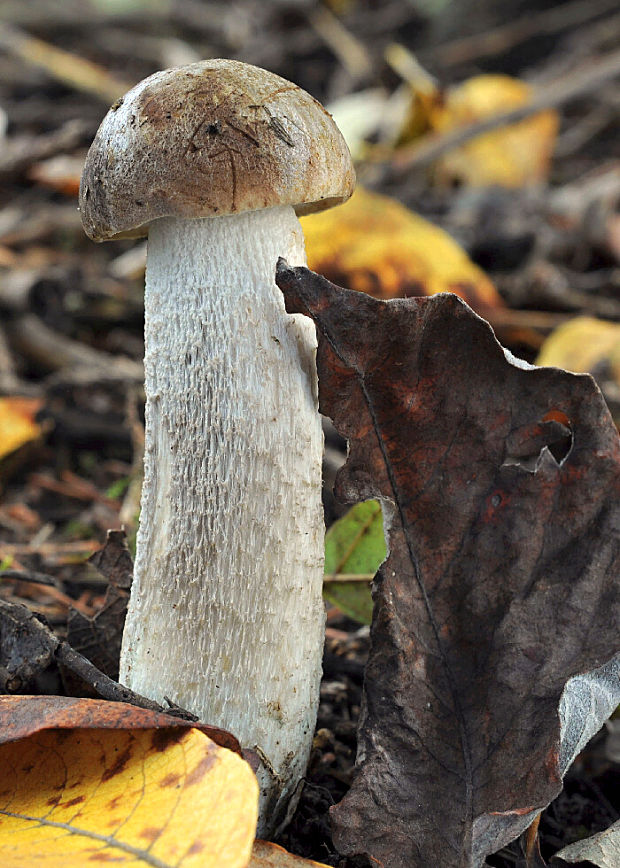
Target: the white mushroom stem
(226, 616)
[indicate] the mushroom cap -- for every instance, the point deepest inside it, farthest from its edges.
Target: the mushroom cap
(208, 139)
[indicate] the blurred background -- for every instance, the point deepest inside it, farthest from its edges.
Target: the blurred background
(487, 141)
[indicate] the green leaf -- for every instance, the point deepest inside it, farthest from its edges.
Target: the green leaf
(118, 488)
(354, 550)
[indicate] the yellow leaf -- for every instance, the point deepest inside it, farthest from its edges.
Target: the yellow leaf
(266, 855)
(374, 244)
(70, 798)
(511, 156)
(17, 425)
(581, 344)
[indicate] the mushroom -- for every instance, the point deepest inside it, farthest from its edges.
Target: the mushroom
(214, 161)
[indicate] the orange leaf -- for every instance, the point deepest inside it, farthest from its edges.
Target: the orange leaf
(374, 244)
(17, 425)
(265, 855)
(159, 797)
(21, 716)
(61, 173)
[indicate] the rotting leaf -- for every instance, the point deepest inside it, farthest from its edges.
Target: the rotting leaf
(27, 648)
(23, 716)
(354, 547)
(160, 797)
(498, 604)
(266, 855)
(99, 638)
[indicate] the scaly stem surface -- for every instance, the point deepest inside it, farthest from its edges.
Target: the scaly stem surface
(226, 616)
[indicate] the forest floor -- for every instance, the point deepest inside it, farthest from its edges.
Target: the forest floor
(71, 312)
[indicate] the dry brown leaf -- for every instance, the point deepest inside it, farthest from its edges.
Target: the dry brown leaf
(265, 855)
(158, 797)
(23, 716)
(374, 244)
(99, 636)
(499, 483)
(17, 423)
(511, 156)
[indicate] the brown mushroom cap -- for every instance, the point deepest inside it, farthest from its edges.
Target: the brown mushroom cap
(212, 138)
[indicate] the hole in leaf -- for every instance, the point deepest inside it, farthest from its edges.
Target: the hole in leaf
(526, 445)
(561, 443)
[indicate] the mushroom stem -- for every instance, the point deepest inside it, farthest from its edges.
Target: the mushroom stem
(226, 616)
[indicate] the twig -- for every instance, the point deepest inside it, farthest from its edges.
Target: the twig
(50, 550)
(336, 664)
(54, 352)
(71, 70)
(121, 370)
(105, 687)
(506, 36)
(50, 583)
(72, 486)
(531, 840)
(30, 576)
(552, 95)
(539, 320)
(9, 382)
(20, 153)
(21, 227)
(407, 66)
(335, 578)
(347, 48)
(574, 138)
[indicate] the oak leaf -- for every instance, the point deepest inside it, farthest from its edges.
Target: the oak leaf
(496, 623)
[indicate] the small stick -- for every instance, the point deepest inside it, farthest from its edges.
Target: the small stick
(506, 36)
(105, 687)
(558, 92)
(52, 351)
(30, 576)
(334, 578)
(531, 842)
(18, 154)
(68, 68)
(347, 48)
